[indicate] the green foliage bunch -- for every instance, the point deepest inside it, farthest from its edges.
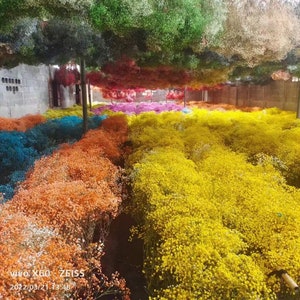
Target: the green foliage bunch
(13, 10)
(215, 224)
(161, 32)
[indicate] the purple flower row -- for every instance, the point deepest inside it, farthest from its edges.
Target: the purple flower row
(137, 108)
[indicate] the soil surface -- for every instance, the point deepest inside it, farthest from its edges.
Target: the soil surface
(125, 257)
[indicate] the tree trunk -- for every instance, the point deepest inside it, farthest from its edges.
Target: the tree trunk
(84, 96)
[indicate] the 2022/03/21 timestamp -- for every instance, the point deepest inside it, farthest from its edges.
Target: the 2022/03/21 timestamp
(41, 287)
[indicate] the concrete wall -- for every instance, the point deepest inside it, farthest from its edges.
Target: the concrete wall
(24, 90)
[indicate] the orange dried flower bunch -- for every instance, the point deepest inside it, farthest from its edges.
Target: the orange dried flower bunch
(50, 224)
(32, 258)
(21, 124)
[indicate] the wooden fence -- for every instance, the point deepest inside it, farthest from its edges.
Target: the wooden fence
(281, 94)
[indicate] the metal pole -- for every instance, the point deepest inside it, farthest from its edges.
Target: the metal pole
(84, 96)
(90, 95)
